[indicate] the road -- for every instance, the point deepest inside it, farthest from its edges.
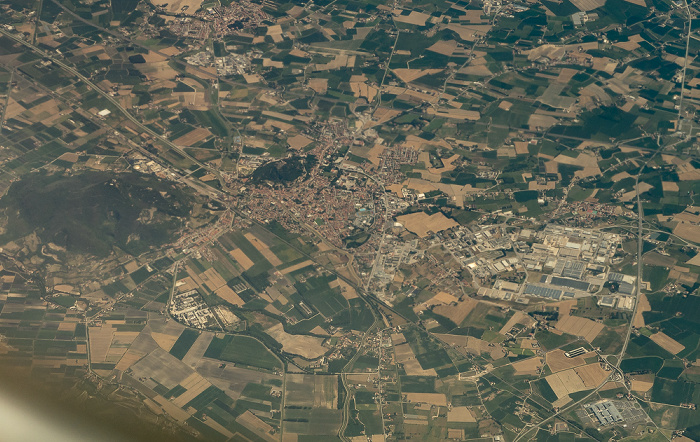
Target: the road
(384, 222)
(198, 186)
(348, 398)
(212, 76)
(344, 379)
(640, 267)
(378, 103)
(685, 66)
(195, 184)
(562, 411)
(114, 102)
(640, 243)
(7, 99)
(176, 267)
(640, 246)
(187, 66)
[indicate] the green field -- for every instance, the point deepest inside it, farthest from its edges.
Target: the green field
(184, 343)
(285, 253)
(242, 350)
(609, 341)
(486, 316)
(551, 340)
(579, 194)
(314, 422)
(652, 363)
(317, 293)
(657, 276)
(672, 392)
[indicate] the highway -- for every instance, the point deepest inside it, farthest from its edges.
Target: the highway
(384, 221)
(344, 379)
(187, 66)
(363, 292)
(7, 98)
(528, 430)
(264, 87)
(685, 67)
(114, 102)
(209, 75)
(640, 245)
(640, 208)
(640, 265)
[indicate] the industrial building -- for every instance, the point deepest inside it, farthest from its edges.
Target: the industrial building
(546, 292)
(605, 412)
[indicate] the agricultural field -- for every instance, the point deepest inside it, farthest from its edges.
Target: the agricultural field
(353, 220)
(311, 405)
(242, 350)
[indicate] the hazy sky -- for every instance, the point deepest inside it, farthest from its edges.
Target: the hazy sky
(22, 420)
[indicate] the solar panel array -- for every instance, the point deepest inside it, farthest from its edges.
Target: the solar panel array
(544, 292)
(571, 283)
